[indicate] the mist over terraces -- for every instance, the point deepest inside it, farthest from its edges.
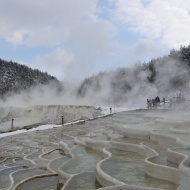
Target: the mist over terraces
(15, 77)
(160, 76)
(163, 75)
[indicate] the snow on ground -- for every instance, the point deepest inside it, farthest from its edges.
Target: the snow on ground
(105, 111)
(12, 133)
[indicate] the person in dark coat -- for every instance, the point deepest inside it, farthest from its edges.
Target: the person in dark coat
(157, 100)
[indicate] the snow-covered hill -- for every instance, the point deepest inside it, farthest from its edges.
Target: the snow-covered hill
(15, 77)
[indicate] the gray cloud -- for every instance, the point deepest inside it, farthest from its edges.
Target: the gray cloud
(77, 36)
(81, 39)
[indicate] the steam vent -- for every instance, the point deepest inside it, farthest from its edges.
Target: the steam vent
(134, 150)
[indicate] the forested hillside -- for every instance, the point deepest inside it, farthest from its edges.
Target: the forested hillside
(163, 75)
(15, 77)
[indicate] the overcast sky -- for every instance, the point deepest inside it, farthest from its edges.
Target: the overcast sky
(74, 39)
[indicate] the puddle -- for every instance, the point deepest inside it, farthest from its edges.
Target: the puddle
(185, 151)
(48, 148)
(55, 164)
(2, 159)
(4, 176)
(44, 183)
(184, 137)
(17, 162)
(24, 151)
(54, 154)
(85, 160)
(84, 181)
(99, 136)
(160, 148)
(26, 173)
(34, 157)
(7, 161)
(131, 140)
(128, 167)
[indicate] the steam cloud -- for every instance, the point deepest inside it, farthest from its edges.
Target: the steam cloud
(127, 87)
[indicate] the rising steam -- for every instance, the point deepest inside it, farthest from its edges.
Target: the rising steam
(128, 87)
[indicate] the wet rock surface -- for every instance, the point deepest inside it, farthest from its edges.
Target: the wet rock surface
(113, 152)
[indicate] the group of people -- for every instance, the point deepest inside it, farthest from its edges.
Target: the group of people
(153, 103)
(172, 102)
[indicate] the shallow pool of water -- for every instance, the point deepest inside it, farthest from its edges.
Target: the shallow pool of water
(53, 154)
(4, 176)
(44, 183)
(84, 181)
(128, 167)
(185, 151)
(55, 164)
(85, 160)
(161, 149)
(26, 173)
(17, 162)
(34, 157)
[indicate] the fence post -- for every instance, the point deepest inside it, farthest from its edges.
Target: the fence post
(62, 120)
(12, 124)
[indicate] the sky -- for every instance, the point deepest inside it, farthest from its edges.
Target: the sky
(74, 39)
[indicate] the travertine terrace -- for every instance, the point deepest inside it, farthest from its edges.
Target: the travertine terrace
(134, 150)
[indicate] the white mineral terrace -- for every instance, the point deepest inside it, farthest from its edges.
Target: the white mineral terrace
(128, 150)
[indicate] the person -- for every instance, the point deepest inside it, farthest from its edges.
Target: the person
(157, 100)
(154, 103)
(149, 103)
(164, 100)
